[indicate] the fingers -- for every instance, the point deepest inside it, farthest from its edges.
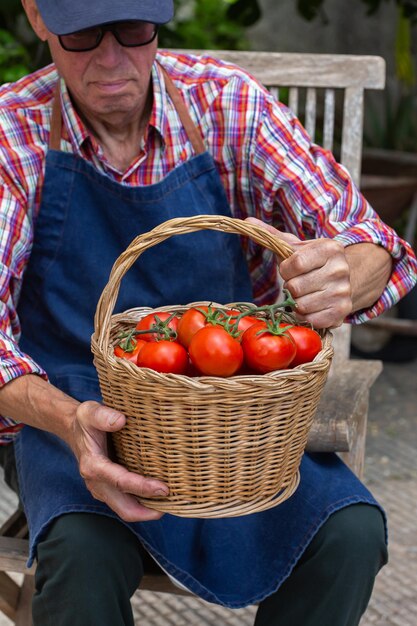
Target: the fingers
(314, 255)
(287, 237)
(319, 315)
(124, 503)
(107, 481)
(96, 415)
(99, 469)
(318, 277)
(117, 487)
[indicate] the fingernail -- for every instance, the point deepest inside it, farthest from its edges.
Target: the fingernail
(113, 419)
(160, 492)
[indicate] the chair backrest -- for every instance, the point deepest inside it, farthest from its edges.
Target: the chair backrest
(326, 91)
(305, 78)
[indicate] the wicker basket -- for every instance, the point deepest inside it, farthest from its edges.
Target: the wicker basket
(225, 446)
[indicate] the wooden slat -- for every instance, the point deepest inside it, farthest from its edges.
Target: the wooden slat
(328, 123)
(293, 100)
(340, 409)
(307, 70)
(24, 605)
(275, 92)
(15, 525)
(9, 595)
(394, 325)
(341, 345)
(161, 583)
(13, 555)
(310, 113)
(351, 154)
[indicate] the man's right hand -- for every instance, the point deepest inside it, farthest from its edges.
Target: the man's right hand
(107, 481)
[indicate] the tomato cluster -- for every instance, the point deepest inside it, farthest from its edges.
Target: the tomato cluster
(215, 341)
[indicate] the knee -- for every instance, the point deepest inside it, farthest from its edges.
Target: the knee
(86, 545)
(352, 540)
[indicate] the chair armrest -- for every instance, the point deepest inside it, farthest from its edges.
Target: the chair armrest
(344, 398)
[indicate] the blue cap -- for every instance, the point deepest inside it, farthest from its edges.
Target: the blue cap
(67, 16)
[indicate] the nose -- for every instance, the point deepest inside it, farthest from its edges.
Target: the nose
(109, 51)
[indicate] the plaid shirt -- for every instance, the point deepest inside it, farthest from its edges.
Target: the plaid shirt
(267, 163)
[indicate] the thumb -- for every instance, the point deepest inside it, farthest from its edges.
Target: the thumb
(95, 415)
(286, 237)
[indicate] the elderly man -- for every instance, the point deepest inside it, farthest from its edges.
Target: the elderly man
(109, 141)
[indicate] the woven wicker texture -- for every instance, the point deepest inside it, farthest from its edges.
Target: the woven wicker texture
(225, 446)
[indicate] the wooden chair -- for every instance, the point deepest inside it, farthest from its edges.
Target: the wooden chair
(318, 87)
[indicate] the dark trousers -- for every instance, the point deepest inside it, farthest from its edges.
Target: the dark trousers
(89, 566)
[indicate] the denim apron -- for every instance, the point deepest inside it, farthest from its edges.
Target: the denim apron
(86, 220)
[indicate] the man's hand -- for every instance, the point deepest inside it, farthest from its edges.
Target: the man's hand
(317, 275)
(107, 481)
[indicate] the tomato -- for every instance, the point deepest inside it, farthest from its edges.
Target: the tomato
(307, 341)
(131, 355)
(245, 322)
(150, 320)
(267, 352)
(164, 356)
(190, 323)
(214, 352)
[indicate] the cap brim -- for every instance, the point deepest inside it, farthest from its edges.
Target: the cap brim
(68, 16)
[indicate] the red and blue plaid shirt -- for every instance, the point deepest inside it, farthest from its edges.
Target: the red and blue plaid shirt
(267, 163)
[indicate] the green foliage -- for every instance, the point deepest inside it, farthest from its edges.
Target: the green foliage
(210, 24)
(403, 57)
(197, 24)
(309, 9)
(396, 127)
(244, 12)
(14, 58)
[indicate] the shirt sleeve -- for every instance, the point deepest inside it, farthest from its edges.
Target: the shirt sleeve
(15, 245)
(300, 188)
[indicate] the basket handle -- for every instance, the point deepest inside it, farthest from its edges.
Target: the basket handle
(176, 226)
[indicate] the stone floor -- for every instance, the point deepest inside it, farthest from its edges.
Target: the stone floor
(391, 473)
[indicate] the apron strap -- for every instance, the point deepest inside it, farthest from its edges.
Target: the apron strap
(56, 121)
(190, 128)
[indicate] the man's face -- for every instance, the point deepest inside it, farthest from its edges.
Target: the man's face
(106, 82)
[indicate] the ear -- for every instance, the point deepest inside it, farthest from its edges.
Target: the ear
(35, 19)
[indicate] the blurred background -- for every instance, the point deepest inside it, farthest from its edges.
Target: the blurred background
(386, 28)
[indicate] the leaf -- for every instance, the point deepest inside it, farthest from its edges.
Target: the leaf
(309, 9)
(373, 5)
(409, 9)
(244, 12)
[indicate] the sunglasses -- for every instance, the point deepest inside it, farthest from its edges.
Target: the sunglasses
(129, 34)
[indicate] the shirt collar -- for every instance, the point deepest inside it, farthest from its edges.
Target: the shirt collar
(76, 131)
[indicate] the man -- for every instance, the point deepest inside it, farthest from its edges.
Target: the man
(94, 150)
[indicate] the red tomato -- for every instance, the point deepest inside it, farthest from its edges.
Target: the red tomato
(267, 352)
(307, 341)
(131, 355)
(164, 356)
(150, 320)
(190, 323)
(245, 322)
(214, 352)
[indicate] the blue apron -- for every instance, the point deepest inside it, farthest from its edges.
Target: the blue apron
(86, 220)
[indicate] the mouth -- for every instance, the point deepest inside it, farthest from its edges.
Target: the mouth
(111, 86)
